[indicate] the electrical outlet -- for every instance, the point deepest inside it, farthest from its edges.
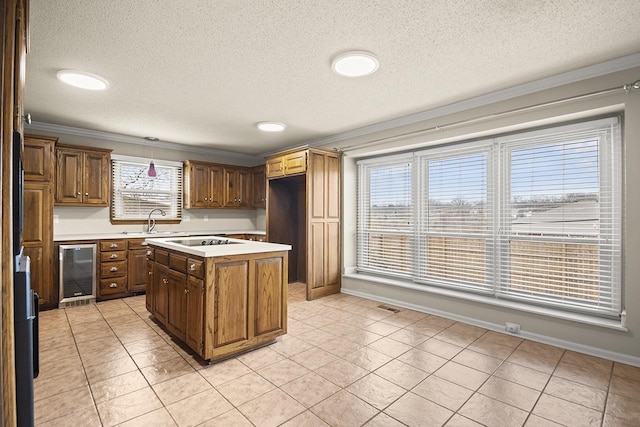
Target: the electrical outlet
(514, 328)
(206, 218)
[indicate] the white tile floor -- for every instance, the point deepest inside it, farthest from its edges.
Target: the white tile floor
(344, 362)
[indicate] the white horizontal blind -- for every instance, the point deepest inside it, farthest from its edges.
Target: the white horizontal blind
(533, 217)
(456, 218)
(135, 193)
(560, 240)
(385, 212)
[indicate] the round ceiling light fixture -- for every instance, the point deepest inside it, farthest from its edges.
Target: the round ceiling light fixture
(355, 64)
(271, 126)
(82, 80)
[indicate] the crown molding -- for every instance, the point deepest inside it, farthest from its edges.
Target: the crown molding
(591, 71)
(108, 136)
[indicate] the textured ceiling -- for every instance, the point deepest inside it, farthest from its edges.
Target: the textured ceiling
(204, 72)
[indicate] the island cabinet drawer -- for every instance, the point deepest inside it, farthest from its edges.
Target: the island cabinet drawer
(113, 256)
(137, 244)
(195, 267)
(114, 285)
(113, 269)
(178, 262)
(113, 245)
(162, 257)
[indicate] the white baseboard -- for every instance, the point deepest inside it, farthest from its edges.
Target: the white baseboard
(569, 345)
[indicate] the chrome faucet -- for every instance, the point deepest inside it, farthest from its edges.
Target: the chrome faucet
(151, 223)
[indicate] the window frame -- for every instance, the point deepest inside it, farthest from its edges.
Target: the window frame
(610, 174)
(174, 212)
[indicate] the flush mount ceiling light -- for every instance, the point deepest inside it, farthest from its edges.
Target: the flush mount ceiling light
(355, 64)
(271, 126)
(82, 80)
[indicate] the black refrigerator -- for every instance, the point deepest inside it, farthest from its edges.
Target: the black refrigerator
(25, 301)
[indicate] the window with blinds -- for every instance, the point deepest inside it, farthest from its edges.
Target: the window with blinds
(135, 193)
(533, 217)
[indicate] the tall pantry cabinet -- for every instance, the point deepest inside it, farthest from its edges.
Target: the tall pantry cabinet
(37, 235)
(304, 211)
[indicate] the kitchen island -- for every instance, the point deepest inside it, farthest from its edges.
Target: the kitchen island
(220, 296)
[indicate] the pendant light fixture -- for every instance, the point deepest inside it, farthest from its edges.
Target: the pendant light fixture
(152, 168)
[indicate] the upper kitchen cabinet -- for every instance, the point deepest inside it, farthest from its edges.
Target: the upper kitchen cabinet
(214, 186)
(259, 187)
(304, 211)
(236, 187)
(287, 164)
(38, 159)
(82, 176)
(203, 185)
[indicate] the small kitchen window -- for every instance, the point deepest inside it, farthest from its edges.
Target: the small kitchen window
(135, 193)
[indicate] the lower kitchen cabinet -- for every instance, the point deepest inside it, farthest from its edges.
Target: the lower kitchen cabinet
(195, 315)
(160, 292)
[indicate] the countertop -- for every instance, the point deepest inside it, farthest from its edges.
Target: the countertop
(237, 247)
(159, 234)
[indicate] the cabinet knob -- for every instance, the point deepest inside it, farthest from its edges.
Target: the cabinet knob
(79, 193)
(86, 194)
(186, 291)
(165, 281)
(113, 245)
(192, 267)
(113, 269)
(148, 253)
(150, 273)
(113, 285)
(113, 256)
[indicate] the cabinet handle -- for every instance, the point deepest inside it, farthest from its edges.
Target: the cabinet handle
(113, 256)
(114, 269)
(113, 285)
(113, 245)
(148, 253)
(192, 267)
(165, 281)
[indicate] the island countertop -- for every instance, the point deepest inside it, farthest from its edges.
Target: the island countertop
(234, 247)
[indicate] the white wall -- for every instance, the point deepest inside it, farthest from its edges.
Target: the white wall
(615, 344)
(79, 220)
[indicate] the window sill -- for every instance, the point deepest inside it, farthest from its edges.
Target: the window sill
(573, 317)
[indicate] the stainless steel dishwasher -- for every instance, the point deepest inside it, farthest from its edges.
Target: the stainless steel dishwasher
(77, 274)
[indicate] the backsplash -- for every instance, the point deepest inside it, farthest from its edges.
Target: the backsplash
(78, 220)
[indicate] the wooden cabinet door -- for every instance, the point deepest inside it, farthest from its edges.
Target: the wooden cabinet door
(195, 314)
(177, 305)
(258, 187)
(69, 176)
(37, 239)
(160, 292)
(198, 185)
(96, 179)
(243, 188)
(275, 167)
(229, 191)
(137, 270)
(269, 309)
(231, 301)
(150, 286)
(37, 158)
(295, 163)
(215, 187)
